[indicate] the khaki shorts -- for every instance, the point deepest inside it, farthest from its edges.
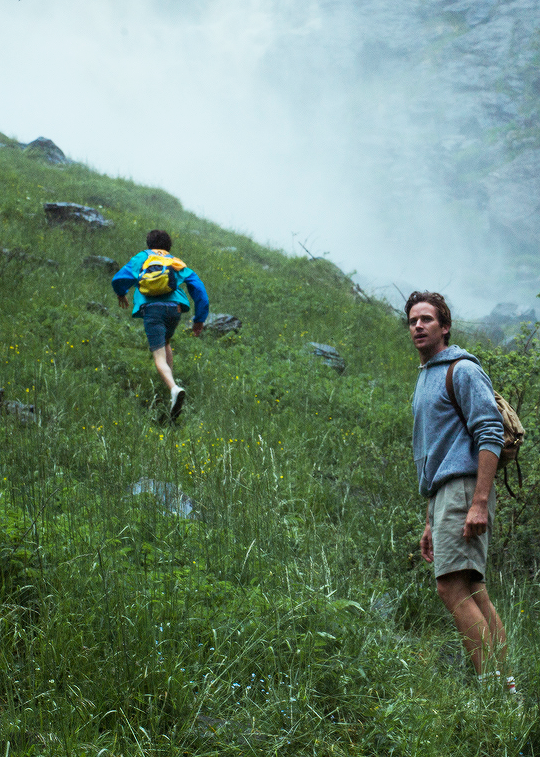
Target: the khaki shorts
(448, 510)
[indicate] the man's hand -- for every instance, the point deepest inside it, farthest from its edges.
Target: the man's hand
(123, 301)
(476, 522)
(426, 544)
(197, 328)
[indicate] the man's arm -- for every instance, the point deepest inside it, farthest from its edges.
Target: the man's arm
(126, 277)
(477, 518)
(198, 294)
(474, 393)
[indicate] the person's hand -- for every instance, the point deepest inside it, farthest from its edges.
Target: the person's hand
(476, 522)
(123, 301)
(426, 544)
(197, 328)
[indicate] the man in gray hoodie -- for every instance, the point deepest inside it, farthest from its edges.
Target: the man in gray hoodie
(456, 468)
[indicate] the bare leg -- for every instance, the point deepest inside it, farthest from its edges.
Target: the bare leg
(497, 630)
(169, 355)
(475, 617)
(163, 360)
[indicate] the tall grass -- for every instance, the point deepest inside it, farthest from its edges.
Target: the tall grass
(291, 615)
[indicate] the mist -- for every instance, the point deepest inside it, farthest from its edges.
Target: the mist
(301, 125)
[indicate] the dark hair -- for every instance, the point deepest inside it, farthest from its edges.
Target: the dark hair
(158, 240)
(444, 316)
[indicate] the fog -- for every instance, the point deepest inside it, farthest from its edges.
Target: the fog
(277, 119)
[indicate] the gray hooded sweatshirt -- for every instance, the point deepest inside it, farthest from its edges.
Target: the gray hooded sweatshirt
(442, 447)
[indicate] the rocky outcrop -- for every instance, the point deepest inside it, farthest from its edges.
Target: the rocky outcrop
(46, 150)
(222, 323)
(329, 355)
(58, 213)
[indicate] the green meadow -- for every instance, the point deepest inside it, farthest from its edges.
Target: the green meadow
(290, 612)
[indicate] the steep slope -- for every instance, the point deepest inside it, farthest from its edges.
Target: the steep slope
(289, 612)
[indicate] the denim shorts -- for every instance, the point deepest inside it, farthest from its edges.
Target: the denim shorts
(160, 322)
(448, 510)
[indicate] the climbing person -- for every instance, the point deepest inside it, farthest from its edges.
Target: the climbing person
(160, 300)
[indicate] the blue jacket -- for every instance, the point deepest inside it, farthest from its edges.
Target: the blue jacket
(442, 447)
(128, 276)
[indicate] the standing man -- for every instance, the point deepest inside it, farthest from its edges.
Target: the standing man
(159, 300)
(456, 469)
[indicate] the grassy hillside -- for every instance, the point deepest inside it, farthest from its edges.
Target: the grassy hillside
(291, 615)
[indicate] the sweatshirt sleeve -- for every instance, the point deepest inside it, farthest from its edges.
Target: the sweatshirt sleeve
(474, 394)
(198, 294)
(127, 276)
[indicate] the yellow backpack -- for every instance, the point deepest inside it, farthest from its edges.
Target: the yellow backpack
(157, 273)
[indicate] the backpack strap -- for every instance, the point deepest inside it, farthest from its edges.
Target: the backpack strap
(520, 480)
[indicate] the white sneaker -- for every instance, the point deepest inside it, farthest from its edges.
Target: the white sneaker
(177, 398)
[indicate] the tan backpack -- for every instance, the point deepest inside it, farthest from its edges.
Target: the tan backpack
(513, 428)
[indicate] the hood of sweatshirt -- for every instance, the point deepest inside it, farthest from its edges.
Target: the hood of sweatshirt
(449, 355)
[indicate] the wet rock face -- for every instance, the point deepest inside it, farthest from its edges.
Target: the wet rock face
(468, 74)
(514, 198)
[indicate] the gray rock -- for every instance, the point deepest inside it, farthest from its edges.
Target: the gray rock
(46, 149)
(101, 263)
(58, 213)
(384, 606)
(23, 413)
(222, 323)
(97, 307)
(329, 355)
(170, 496)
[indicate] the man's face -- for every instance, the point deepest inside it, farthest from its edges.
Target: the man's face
(426, 331)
